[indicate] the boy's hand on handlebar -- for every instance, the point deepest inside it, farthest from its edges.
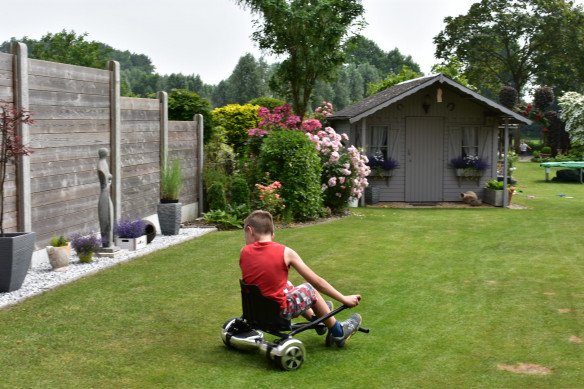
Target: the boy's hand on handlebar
(352, 300)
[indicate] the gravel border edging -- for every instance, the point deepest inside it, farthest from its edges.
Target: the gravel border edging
(41, 278)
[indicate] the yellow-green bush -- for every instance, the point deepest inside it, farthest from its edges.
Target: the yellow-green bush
(236, 120)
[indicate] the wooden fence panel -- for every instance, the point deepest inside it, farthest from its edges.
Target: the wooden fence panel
(140, 148)
(71, 106)
(182, 145)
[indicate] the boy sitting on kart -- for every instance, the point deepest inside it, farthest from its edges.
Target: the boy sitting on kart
(265, 263)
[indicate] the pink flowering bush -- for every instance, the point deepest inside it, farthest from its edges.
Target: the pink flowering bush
(269, 198)
(344, 169)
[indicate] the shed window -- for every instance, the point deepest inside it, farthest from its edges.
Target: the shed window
(379, 140)
(470, 141)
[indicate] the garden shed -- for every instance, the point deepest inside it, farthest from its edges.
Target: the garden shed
(423, 124)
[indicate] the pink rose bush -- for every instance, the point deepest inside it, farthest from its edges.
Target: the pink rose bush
(269, 198)
(345, 170)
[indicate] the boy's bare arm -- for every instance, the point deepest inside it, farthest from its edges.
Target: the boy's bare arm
(319, 283)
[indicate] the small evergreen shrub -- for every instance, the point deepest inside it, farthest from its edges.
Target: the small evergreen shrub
(240, 193)
(291, 158)
(216, 196)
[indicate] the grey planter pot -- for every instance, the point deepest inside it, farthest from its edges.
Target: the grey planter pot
(493, 197)
(371, 195)
(15, 256)
(169, 215)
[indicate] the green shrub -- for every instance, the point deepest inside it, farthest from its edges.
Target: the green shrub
(291, 158)
(184, 105)
(267, 102)
(240, 193)
(546, 150)
(59, 241)
(236, 120)
(216, 197)
(222, 219)
(494, 184)
(212, 174)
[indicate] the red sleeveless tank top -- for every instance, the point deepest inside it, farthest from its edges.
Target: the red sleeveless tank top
(262, 264)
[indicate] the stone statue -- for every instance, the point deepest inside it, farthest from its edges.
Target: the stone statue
(105, 207)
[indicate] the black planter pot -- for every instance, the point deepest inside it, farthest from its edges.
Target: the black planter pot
(169, 215)
(149, 231)
(15, 255)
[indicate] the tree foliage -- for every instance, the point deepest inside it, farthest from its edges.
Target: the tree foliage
(405, 74)
(504, 42)
(310, 33)
(65, 47)
(184, 105)
(572, 104)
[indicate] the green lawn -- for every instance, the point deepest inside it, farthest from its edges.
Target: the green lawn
(449, 294)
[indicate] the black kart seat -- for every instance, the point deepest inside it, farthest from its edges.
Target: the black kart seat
(262, 312)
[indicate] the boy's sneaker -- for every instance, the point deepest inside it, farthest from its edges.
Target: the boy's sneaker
(321, 329)
(350, 326)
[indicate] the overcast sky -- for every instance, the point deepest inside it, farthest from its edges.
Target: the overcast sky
(207, 37)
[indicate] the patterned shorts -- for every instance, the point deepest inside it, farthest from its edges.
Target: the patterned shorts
(299, 299)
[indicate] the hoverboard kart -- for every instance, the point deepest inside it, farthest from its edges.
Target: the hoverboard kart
(261, 314)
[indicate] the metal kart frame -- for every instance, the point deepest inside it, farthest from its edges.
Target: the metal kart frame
(262, 314)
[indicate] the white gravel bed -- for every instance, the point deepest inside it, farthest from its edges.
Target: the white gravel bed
(41, 277)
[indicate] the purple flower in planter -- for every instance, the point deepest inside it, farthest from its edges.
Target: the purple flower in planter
(469, 162)
(129, 229)
(85, 244)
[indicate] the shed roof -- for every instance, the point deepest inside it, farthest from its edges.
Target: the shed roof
(391, 95)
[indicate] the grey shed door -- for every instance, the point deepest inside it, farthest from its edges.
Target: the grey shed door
(424, 158)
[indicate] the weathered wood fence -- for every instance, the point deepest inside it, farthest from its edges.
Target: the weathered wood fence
(77, 111)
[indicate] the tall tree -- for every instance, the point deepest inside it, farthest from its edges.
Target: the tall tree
(247, 81)
(310, 33)
(361, 50)
(506, 42)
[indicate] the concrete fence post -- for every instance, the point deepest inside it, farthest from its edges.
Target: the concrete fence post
(163, 104)
(115, 138)
(199, 123)
(20, 66)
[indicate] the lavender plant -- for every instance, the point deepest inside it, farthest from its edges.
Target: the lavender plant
(129, 229)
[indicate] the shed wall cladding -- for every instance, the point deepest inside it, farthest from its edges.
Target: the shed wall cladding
(140, 158)
(466, 113)
(7, 96)
(71, 108)
(182, 145)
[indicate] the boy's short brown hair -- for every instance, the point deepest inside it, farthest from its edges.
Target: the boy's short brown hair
(261, 221)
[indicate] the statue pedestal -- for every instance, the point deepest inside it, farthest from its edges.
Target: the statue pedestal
(109, 252)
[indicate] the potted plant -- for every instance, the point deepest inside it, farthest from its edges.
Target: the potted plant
(469, 167)
(545, 152)
(130, 234)
(380, 166)
(493, 193)
(59, 252)
(16, 248)
(381, 169)
(85, 246)
(169, 209)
